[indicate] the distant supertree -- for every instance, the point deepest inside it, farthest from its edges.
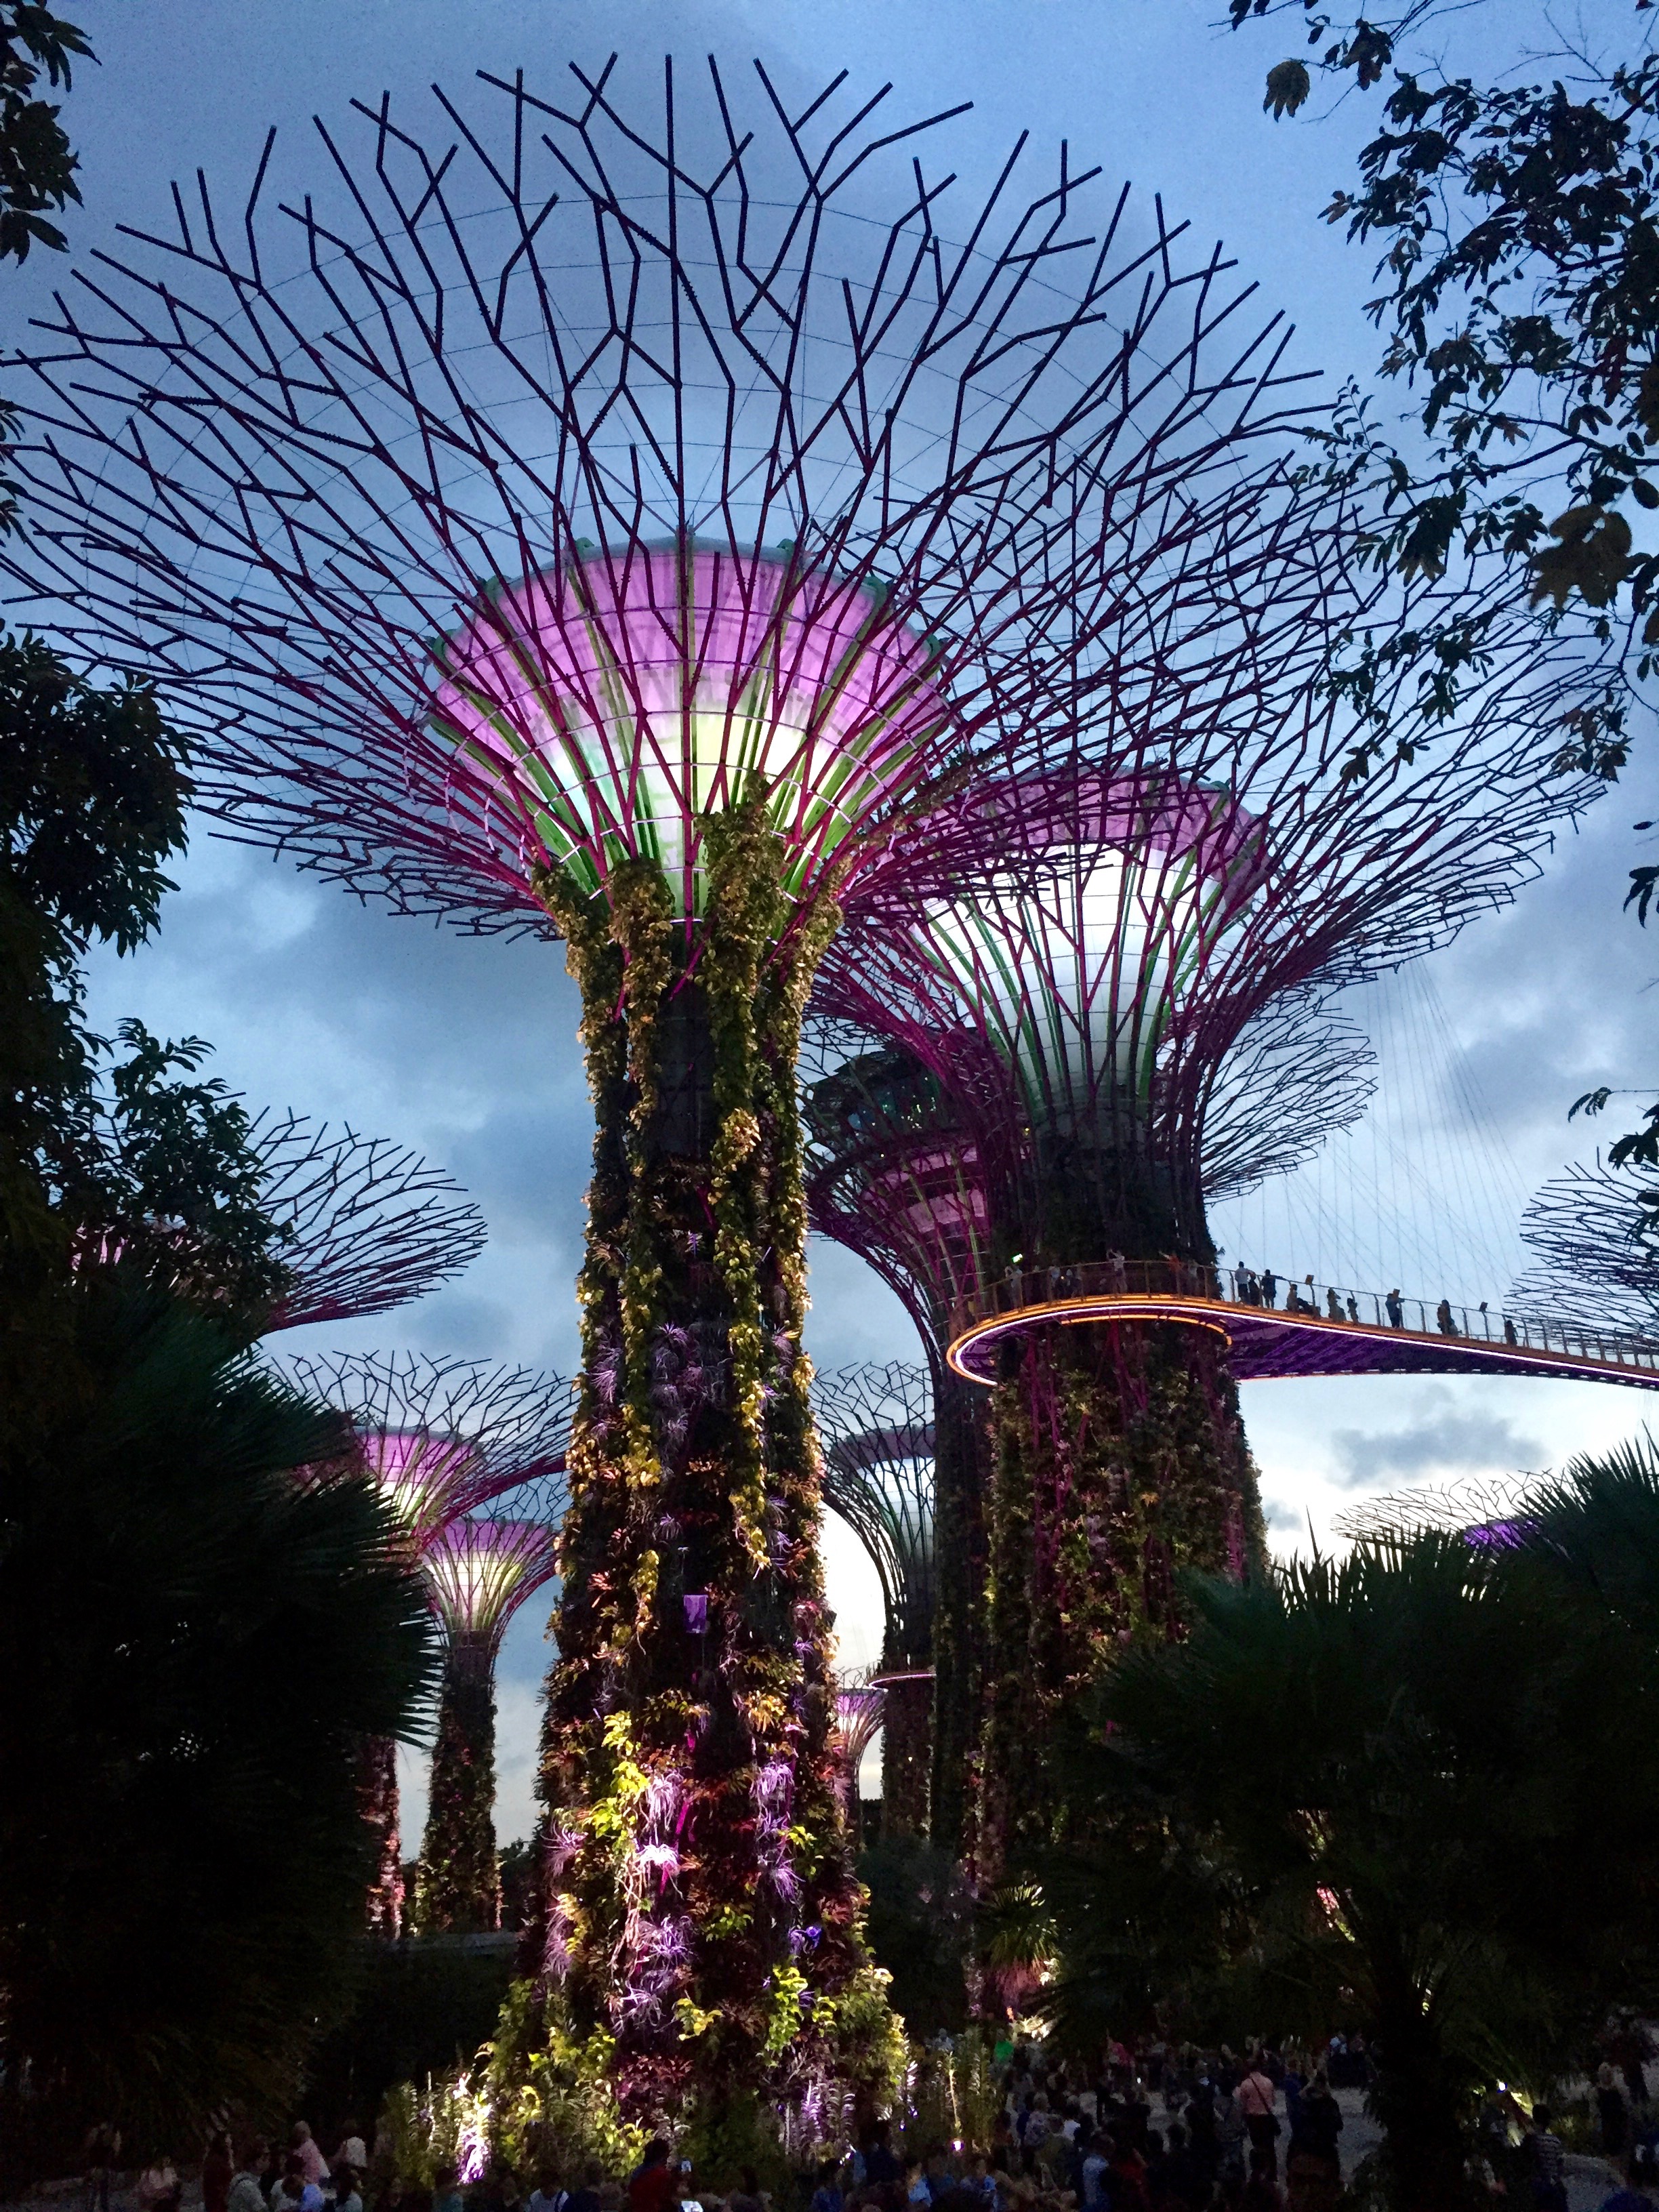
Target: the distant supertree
(1478, 1506)
(626, 531)
(1215, 853)
(1596, 1232)
(894, 1173)
(877, 1425)
(443, 1437)
(858, 1718)
(478, 1572)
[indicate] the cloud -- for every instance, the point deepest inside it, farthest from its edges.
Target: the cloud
(1446, 1442)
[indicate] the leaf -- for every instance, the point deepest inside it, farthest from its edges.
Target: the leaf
(1288, 87)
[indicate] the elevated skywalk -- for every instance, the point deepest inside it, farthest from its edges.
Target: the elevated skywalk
(1278, 1329)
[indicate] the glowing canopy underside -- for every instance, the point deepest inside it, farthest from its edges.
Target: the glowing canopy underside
(614, 702)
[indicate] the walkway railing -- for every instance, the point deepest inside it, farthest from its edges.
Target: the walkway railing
(1303, 1300)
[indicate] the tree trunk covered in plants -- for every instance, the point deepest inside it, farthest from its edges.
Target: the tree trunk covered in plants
(1121, 1460)
(906, 1757)
(697, 1910)
(961, 1437)
(457, 1887)
(377, 1795)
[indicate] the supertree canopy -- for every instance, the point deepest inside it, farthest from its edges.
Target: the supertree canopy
(1596, 1232)
(1216, 854)
(643, 529)
(347, 1225)
(443, 1437)
(876, 1427)
(478, 1571)
(367, 1225)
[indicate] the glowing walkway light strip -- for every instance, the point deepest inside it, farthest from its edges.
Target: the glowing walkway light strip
(1271, 1342)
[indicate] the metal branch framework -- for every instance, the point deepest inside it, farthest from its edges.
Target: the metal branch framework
(444, 1436)
(876, 1427)
(1472, 1506)
(858, 1722)
(1596, 1231)
(479, 1571)
(369, 1225)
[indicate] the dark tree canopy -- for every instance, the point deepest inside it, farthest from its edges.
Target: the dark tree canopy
(193, 1646)
(37, 165)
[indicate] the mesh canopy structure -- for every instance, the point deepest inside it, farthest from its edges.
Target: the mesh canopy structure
(1474, 1506)
(501, 498)
(1596, 1231)
(369, 1225)
(479, 1571)
(444, 1436)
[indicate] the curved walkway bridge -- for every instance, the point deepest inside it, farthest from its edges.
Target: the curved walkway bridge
(1317, 1329)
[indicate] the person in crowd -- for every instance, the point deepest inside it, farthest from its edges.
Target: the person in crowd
(248, 2192)
(547, 2196)
(1396, 1309)
(218, 2172)
(352, 2152)
(1313, 2166)
(1261, 2190)
(293, 2192)
(685, 2188)
(159, 2188)
(881, 2168)
(914, 2183)
(302, 2145)
(1256, 2097)
(1613, 2113)
(348, 2196)
(585, 2197)
(827, 2196)
(1229, 2136)
(1442, 1318)
(650, 2186)
(1353, 1307)
(1269, 1283)
(102, 2156)
(1547, 2162)
(1095, 2166)
(982, 2184)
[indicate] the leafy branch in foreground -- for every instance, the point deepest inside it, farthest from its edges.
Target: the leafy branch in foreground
(1520, 228)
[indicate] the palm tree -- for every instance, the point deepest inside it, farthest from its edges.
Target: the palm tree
(1401, 1788)
(193, 1647)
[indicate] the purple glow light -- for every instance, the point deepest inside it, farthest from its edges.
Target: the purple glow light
(613, 702)
(696, 1613)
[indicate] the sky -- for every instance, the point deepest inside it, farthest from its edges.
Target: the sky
(466, 1049)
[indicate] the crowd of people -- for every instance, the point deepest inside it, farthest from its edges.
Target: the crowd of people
(1163, 2128)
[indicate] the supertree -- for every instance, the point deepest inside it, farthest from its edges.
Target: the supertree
(858, 1718)
(1222, 853)
(893, 1173)
(876, 1427)
(443, 1437)
(1596, 1231)
(478, 1571)
(631, 532)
